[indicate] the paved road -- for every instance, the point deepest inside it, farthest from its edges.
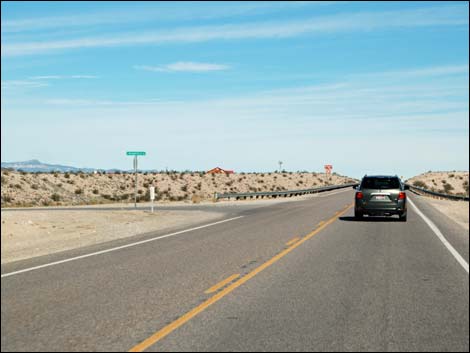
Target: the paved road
(340, 285)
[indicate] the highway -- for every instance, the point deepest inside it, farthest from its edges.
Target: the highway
(293, 276)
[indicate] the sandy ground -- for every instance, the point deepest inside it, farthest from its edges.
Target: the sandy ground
(454, 182)
(27, 234)
(455, 210)
(60, 189)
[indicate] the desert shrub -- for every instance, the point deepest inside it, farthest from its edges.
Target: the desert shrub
(4, 180)
(55, 175)
(95, 191)
(44, 179)
(55, 197)
(82, 175)
(140, 192)
(59, 185)
(451, 175)
(66, 175)
(229, 183)
(34, 187)
(78, 191)
(71, 182)
(184, 188)
(419, 184)
(146, 185)
(448, 188)
(122, 187)
(301, 181)
(6, 172)
(7, 198)
(18, 186)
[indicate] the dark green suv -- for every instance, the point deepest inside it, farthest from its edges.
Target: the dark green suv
(380, 195)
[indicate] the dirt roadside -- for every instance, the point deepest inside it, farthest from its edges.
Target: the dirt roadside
(455, 210)
(27, 234)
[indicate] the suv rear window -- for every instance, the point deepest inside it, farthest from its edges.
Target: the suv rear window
(380, 183)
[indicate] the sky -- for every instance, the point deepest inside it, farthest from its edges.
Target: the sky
(369, 87)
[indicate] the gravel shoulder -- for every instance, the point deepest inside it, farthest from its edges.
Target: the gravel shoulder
(455, 210)
(28, 234)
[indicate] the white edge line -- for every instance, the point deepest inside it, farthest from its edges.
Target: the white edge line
(436, 230)
(117, 248)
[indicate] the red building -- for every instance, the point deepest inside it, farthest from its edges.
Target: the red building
(218, 170)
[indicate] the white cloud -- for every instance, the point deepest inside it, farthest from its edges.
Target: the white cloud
(59, 77)
(423, 72)
(184, 66)
(346, 22)
(8, 84)
(141, 13)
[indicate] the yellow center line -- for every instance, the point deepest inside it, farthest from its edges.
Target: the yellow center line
(222, 284)
(320, 223)
(189, 315)
(292, 241)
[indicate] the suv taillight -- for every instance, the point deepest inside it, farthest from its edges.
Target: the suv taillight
(401, 196)
(359, 195)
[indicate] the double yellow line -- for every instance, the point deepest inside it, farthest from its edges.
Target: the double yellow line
(189, 315)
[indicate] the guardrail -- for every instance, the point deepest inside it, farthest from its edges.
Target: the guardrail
(438, 194)
(285, 193)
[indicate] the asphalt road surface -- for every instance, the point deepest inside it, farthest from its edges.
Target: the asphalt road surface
(301, 276)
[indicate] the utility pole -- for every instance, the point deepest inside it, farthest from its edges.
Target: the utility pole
(280, 166)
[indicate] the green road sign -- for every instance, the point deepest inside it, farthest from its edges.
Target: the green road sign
(130, 153)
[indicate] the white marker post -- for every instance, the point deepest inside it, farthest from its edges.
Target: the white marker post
(152, 195)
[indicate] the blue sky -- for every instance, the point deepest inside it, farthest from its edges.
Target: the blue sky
(368, 87)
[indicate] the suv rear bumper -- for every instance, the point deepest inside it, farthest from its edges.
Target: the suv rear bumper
(376, 210)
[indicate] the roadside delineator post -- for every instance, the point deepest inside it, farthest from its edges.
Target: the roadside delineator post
(152, 195)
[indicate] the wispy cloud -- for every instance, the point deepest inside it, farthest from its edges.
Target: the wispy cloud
(424, 72)
(356, 98)
(184, 66)
(347, 22)
(143, 13)
(8, 84)
(62, 77)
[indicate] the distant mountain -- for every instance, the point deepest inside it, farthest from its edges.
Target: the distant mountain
(36, 166)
